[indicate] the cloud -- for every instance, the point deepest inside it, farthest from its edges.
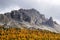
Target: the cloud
(57, 21)
(9, 9)
(47, 7)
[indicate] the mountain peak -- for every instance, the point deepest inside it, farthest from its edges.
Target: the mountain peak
(29, 15)
(50, 22)
(28, 18)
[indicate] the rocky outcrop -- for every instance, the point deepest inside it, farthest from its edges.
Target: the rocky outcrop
(3, 19)
(49, 22)
(31, 16)
(28, 18)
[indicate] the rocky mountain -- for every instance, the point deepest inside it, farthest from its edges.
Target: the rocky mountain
(28, 18)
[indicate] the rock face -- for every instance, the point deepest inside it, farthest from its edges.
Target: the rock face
(30, 18)
(49, 22)
(3, 19)
(28, 15)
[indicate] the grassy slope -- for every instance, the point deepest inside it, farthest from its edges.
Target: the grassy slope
(26, 34)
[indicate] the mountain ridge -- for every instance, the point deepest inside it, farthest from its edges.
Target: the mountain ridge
(31, 18)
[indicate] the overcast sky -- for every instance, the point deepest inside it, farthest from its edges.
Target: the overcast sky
(46, 7)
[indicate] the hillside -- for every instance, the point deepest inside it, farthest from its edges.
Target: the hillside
(26, 34)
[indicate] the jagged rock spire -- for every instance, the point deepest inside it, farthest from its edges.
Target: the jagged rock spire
(50, 22)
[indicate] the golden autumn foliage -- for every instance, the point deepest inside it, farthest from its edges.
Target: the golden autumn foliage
(26, 34)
